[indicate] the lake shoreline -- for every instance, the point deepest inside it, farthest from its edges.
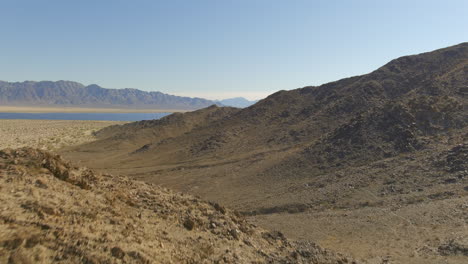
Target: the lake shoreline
(38, 109)
(92, 116)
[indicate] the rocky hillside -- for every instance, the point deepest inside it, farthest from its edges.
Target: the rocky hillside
(365, 144)
(395, 109)
(66, 93)
(55, 212)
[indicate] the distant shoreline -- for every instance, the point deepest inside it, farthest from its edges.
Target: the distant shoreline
(39, 109)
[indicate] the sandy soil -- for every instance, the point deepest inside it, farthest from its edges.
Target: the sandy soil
(37, 109)
(48, 134)
(53, 212)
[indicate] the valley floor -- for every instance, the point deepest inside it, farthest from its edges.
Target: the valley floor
(48, 134)
(428, 232)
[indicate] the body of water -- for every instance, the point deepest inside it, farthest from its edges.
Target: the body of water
(85, 116)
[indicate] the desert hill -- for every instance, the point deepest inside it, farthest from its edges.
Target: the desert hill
(67, 93)
(369, 117)
(375, 147)
(56, 212)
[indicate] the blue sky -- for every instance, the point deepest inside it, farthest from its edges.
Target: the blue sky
(217, 48)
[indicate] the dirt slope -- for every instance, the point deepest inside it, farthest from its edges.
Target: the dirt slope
(55, 212)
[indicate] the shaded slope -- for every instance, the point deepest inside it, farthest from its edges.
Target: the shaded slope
(169, 126)
(130, 140)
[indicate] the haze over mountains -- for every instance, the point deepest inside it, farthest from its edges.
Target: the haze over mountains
(239, 102)
(376, 159)
(67, 93)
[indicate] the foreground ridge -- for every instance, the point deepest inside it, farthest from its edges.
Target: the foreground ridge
(53, 211)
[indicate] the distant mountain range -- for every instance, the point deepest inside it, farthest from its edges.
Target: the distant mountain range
(67, 93)
(239, 102)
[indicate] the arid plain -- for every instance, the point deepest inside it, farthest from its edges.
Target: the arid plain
(48, 134)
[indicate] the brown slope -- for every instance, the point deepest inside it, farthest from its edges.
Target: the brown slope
(54, 212)
(117, 142)
(302, 124)
(360, 164)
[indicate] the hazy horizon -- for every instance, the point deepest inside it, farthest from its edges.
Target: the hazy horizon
(210, 96)
(216, 50)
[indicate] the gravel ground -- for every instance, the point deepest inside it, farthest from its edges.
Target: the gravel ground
(48, 134)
